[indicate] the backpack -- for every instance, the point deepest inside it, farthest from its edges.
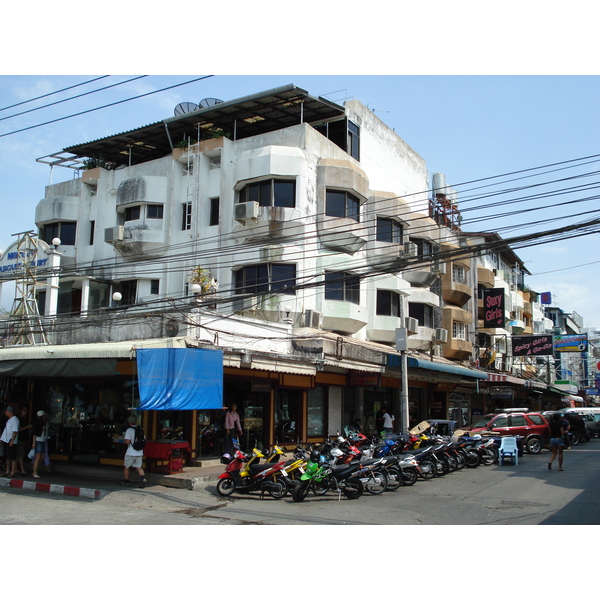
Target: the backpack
(139, 441)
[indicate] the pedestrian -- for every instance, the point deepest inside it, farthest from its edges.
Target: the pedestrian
(388, 421)
(40, 437)
(9, 439)
(232, 425)
(566, 426)
(379, 420)
(557, 432)
(23, 444)
(133, 458)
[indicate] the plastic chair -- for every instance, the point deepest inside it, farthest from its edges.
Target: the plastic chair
(508, 449)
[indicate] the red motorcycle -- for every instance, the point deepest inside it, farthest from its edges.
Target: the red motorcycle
(267, 477)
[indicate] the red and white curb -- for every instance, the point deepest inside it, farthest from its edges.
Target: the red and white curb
(50, 488)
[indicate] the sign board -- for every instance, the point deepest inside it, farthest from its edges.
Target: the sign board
(571, 343)
(12, 261)
(546, 297)
(493, 308)
(531, 345)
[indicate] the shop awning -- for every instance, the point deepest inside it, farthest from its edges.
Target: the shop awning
(419, 363)
(180, 378)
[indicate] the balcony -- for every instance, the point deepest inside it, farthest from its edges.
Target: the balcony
(344, 317)
(485, 277)
(455, 293)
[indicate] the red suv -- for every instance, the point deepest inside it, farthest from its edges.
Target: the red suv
(532, 426)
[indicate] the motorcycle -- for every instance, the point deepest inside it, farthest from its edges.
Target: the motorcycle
(342, 479)
(267, 477)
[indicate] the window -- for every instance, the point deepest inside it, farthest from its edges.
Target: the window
(424, 248)
(154, 286)
(265, 278)
(186, 220)
(132, 213)
(388, 303)
(389, 230)
(459, 330)
(422, 312)
(343, 133)
(500, 422)
(517, 421)
(92, 232)
(315, 412)
(271, 192)
(459, 274)
(65, 230)
(342, 286)
(342, 204)
(128, 290)
(154, 211)
(214, 211)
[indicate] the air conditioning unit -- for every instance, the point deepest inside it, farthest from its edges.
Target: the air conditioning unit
(410, 249)
(438, 267)
(312, 318)
(246, 210)
(441, 336)
(412, 325)
(114, 234)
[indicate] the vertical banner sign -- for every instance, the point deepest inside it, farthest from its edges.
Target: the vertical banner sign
(493, 308)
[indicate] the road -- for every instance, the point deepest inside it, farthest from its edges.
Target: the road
(526, 494)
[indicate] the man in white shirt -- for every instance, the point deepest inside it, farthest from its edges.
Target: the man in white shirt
(388, 421)
(9, 438)
(133, 457)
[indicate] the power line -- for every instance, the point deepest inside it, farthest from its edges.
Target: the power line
(74, 97)
(84, 112)
(56, 92)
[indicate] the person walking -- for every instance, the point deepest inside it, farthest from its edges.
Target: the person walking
(40, 436)
(23, 445)
(9, 439)
(232, 425)
(557, 433)
(133, 458)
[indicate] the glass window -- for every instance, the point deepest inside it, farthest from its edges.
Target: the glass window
(186, 222)
(316, 413)
(517, 421)
(286, 416)
(389, 230)
(267, 277)
(92, 232)
(342, 286)
(65, 230)
(458, 274)
(154, 211)
(424, 248)
(271, 192)
(500, 422)
(342, 204)
(422, 312)
(214, 212)
(154, 286)
(388, 303)
(132, 213)
(353, 140)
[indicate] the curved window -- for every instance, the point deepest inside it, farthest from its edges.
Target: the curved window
(65, 230)
(388, 303)
(342, 286)
(271, 192)
(342, 204)
(265, 278)
(389, 230)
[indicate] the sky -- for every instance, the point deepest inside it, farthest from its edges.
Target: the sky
(469, 127)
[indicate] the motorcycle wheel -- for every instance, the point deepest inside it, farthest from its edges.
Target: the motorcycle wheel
(452, 464)
(442, 467)
(320, 488)
(489, 456)
(394, 479)
(461, 463)
(300, 492)
(225, 487)
(428, 469)
(409, 476)
(473, 459)
(377, 483)
(279, 489)
(353, 489)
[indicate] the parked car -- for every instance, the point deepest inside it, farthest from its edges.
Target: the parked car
(591, 420)
(578, 431)
(531, 426)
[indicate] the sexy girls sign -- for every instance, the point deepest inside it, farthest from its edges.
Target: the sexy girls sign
(493, 308)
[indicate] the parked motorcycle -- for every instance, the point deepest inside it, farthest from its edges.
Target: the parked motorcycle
(267, 477)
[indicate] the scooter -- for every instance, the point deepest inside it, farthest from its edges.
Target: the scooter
(264, 478)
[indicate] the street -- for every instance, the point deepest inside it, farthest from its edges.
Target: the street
(525, 494)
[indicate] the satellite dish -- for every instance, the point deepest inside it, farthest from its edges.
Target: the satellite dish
(208, 102)
(185, 107)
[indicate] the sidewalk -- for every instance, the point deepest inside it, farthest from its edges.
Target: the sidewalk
(92, 481)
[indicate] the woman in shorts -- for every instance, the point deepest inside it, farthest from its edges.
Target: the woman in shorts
(557, 432)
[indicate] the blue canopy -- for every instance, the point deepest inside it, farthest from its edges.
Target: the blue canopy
(180, 378)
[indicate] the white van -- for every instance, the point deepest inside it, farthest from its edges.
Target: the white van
(584, 410)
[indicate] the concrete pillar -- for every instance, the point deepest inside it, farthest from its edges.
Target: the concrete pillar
(85, 297)
(53, 283)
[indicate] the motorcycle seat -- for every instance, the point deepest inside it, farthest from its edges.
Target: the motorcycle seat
(261, 467)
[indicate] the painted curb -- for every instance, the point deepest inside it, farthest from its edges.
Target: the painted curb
(50, 488)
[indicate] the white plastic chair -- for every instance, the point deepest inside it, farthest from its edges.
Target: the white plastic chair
(508, 449)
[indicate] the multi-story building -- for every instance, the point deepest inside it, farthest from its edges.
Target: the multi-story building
(295, 237)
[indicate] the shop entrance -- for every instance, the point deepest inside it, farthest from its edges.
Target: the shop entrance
(287, 405)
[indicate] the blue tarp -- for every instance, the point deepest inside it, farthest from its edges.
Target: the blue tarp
(180, 378)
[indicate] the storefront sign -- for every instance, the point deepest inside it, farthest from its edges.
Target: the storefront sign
(445, 387)
(14, 259)
(493, 307)
(260, 387)
(531, 345)
(571, 343)
(365, 379)
(498, 392)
